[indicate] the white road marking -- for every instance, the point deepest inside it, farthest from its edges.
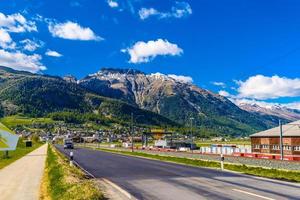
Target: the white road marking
(252, 194)
(118, 188)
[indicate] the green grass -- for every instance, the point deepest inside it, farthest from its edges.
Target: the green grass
(15, 120)
(17, 154)
(293, 176)
(63, 182)
(3, 144)
(4, 128)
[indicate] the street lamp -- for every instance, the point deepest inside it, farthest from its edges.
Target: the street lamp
(192, 140)
(281, 141)
(132, 129)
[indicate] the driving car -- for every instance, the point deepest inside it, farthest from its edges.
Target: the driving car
(68, 144)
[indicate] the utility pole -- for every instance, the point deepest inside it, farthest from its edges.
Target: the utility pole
(281, 140)
(132, 132)
(192, 139)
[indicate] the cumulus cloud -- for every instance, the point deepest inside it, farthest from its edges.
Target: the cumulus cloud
(72, 31)
(16, 23)
(112, 4)
(145, 51)
(147, 12)
(224, 93)
(53, 53)
(179, 10)
(220, 84)
(31, 45)
(21, 61)
(293, 105)
(181, 78)
(5, 40)
(263, 87)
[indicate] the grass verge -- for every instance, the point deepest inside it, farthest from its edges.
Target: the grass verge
(62, 182)
(293, 176)
(18, 153)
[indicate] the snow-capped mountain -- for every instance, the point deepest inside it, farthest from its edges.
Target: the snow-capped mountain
(271, 109)
(175, 97)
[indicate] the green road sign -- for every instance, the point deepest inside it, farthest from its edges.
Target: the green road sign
(8, 140)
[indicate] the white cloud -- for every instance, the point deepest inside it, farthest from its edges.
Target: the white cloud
(263, 87)
(72, 31)
(224, 93)
(16, 23)
(147, 12)
(5, 40)
(53, 53)
(31, 45)
(179, 10)
(145, 51)
(220, 84)
(112, 4)
(293, 105)
(180, 78)
(21, 61)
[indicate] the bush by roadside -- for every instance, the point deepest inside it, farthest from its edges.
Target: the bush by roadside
(62, 182)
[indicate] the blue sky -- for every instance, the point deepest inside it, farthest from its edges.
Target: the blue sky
(248, 50)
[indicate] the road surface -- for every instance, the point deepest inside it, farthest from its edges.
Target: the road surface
(22, 178)
(150, 179)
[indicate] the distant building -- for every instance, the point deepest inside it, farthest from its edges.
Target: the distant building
(269, 141)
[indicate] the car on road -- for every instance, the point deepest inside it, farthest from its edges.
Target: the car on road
(68, 144)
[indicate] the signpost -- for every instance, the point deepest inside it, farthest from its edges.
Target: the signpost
(222, 161)
(8, 140)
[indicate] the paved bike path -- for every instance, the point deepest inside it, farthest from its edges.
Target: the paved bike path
(22, 178)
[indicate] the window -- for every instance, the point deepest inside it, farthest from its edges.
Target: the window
(296, 148)
(265, 146)
(256, 146)
(275, 147)
(287, 147)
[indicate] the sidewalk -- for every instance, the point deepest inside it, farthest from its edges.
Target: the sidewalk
(22, 178)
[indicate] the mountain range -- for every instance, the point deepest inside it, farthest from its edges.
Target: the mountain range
(39, 95)
(271, 110)
(177, 99)
(164, 100)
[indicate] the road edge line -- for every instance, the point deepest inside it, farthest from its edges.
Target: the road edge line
(124, 192)
(127, 194)
(252, 194)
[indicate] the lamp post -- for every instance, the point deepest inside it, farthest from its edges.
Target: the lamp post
(281, 141)
(192, 139)
(132, 129)
(131, 132)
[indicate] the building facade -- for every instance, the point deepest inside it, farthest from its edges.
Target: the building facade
(291, 145)
(268, 141)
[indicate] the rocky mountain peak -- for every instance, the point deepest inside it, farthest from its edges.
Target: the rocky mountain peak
(120, 71)
(70, 79)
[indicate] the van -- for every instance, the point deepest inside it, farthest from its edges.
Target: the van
(68, 144)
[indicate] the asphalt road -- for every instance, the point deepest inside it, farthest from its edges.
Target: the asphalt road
(150, 179)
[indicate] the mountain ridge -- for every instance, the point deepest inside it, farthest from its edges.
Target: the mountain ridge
(39, 95)
(176, 99)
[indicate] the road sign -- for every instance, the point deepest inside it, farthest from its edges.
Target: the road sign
(8, 140)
